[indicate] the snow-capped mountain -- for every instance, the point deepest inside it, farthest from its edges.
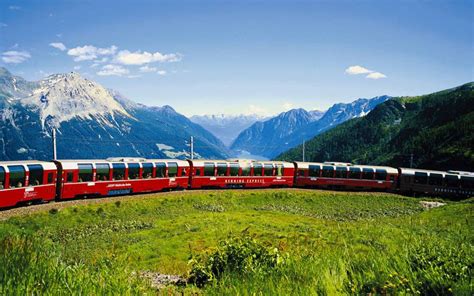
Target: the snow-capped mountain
(226, 127)
(289, 129)
(264, 137)
(91, 122)
(62, 97)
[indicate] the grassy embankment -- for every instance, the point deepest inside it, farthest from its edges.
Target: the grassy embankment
(326, 243)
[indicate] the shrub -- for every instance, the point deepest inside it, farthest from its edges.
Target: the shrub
(238, 255)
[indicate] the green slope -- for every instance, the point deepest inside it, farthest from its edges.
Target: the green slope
(438, 129)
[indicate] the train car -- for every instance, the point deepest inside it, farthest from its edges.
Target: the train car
(119, 176)
(334, 175)
(240, 174)
(24, 182)
(436, 183)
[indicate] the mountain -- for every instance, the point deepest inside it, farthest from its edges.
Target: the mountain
(226, 127)
(265, 138)
(435, 131)
(289, 130)
(91, 122)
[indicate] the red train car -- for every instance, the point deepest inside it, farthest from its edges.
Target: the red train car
(23, 182)
(334, 175)
(118, 176)
(240, 174)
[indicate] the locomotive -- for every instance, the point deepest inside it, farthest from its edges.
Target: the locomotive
(27, 182)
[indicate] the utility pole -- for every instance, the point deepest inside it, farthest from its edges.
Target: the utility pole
(411, 160)
(303, 149)
(192, 147)
(54, 144)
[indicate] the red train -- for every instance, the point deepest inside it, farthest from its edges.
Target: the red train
(26, 182)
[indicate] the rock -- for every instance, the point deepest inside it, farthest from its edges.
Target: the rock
(159, 280)
(431, 204)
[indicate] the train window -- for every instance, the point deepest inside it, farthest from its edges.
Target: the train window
(314, 170)
(328, 171)
(367, 173)
(301, 172)
(421, 178)
(50, 178)
(2, 178)
(69, 177)
(354, 173)
(246, 170)
(221, 169)
(133, 171)
(435, 179)
(102, 172)
(147, 170)
(279, 170)
(172, 169)
(118, 171)
(198, 172)
(234, 169)
(209, 169)
(160, 170)
(36, 174)
(17, 176)
(380, 174)
(268, 169)
(257, 169)
(452, 180)
(467, 182)
(85, 172)
(341, 172)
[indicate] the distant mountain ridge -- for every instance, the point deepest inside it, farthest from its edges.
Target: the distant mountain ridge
(289, 129)
(437, 130)
(226, 127)
(92, 122)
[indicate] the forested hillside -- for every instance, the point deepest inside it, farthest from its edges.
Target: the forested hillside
(436, 129)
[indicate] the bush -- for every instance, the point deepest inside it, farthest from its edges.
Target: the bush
(238, 255)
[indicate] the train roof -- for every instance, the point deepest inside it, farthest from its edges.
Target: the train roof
(72, 163)
(412, 171)
(242, 161)
(48, 165)
(305, 165)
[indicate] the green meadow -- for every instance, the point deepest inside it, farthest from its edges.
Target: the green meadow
(242, 242)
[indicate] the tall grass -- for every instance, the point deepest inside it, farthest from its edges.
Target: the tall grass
(422, 268)
(32, 267)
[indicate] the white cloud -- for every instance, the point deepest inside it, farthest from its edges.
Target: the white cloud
(134, 76)
(161, 72)
(58, 45)
(355, 70)
(147, 69)
(287, 106)
(116, 70)
(15, 57)
(3, 25)
(14, 7)
(376, 75)
(126, 57)
(90, 52)
(77, 67)
(254, 109)
(59, 35)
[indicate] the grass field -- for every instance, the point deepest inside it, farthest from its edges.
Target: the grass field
(325, 243)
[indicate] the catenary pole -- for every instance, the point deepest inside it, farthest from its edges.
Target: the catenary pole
(55, 156)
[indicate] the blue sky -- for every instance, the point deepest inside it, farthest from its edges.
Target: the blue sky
(207, 57)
